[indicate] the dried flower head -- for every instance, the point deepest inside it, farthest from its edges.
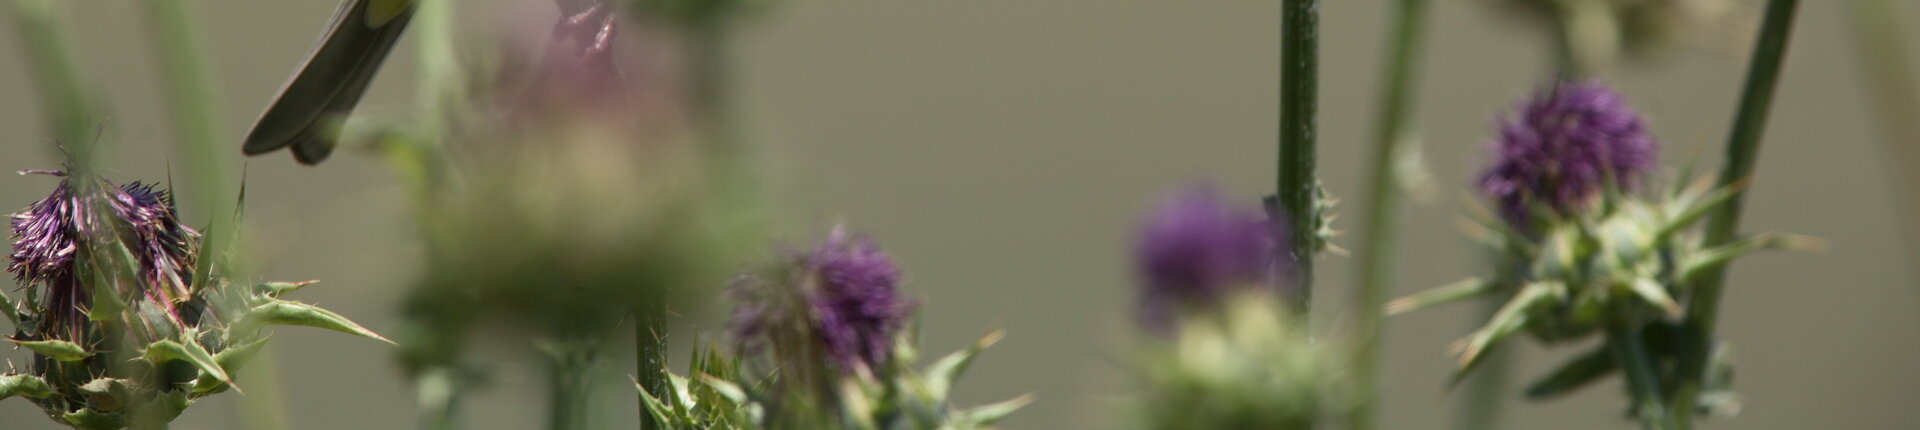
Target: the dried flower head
(48, 237)
(844, 294)
(1197, 247)
(1560, 150)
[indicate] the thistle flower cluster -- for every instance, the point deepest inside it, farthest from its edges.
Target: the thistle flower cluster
(819, 343)
(1197, 248)
(127, 322)
(1562, 149)
(1589, 258)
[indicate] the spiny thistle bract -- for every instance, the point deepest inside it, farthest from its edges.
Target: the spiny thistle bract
(126, 319)
(819, 343)
(1590, 259)
(1247, 364)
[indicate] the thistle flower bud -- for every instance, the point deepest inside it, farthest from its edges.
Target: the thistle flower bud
(1196, 248)
(843, 295)
(1561, 149)
(51, 234)
(114, 309)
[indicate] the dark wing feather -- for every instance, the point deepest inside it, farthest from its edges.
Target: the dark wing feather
(328, 86)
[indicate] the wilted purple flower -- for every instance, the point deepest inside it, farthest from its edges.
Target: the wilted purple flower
(845, 293)
(51, 235)
(1197, 247)
(1563, 147)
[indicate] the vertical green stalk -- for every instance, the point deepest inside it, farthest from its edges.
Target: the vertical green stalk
(570, 401)
(650, 367)
(1743, 147)
(1883, 54)
(1299, 92)
(67, 104)
(193, 103)
(1383, 202)
(438, 383)
(708, 72)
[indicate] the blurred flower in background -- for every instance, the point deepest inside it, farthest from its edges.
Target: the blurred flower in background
(1198, 248)
(1230, 353)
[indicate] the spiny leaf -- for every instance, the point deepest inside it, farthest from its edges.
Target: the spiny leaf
(230, 359)
(284, 312)
(280, 288)
(55, 349)
(1656, 294)
(986, 415)
(1702, 261)
(23, 385)
(12, 311)
(191, 352)
(1574, 375)
(942, 373)
(1508, 320)
(1440, 295)
(725, 388)
(89, 419)
(655, 407)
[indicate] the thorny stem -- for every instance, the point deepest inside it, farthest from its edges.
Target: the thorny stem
(1376, 252)
(1743, 147)
(1295, 187)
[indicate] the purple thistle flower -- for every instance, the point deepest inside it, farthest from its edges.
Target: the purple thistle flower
(51, 235)
(1197, 247)
(1562, 148)
(843, 294)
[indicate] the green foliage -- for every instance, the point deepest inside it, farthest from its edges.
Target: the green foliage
(721, 394)
(1625, 267)
(1248, 366)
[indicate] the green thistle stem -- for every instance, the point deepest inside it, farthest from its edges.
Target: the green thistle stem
(650, 367)
(67, 103)
(1376, 251)
(1299, 91)
(569, 401)
(1743, 147)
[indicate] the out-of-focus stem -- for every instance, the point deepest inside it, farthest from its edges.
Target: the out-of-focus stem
(439, 381)
(1743, 148)
(1376, 251)
(1299, 93)
(67, 104)
(708, 73)
(1880, 40)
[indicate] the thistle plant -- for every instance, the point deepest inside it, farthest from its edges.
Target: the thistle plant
(1585, 249)
(819, 341)
(1227, 352)
(127, 321)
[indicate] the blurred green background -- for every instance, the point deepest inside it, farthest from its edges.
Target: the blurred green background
(1003, 150)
